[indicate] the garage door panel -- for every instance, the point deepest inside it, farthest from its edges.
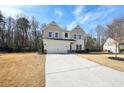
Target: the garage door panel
(56, 46)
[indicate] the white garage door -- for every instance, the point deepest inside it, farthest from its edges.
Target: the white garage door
(57, 46)
(57, 49)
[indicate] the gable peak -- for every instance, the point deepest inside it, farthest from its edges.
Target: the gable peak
(77, 27)
(53, 23)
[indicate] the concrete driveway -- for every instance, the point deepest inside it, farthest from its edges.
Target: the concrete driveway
(73, 71)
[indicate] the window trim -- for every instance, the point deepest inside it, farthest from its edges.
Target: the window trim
(66, 34)
(75, 36)
(79, 47)
(49, 34)
(79, 36)
(57, 34)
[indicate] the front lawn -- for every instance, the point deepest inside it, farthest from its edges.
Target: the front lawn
(104, 59)
(22, 69)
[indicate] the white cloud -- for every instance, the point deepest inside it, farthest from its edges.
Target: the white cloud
(79, 20)
(85, 18)
(78, 10)
(91, 17)
(93, 26)
(58, 13)
(74, 23)
(10, 10)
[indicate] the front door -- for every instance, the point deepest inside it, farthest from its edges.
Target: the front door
(78, 47)
(71, 44)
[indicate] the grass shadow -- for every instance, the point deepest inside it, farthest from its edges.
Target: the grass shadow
(116, 58)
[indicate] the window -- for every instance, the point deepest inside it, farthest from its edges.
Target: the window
(50, 34)
(66, 35)
(56, 34)
(78, 47)
(79, 36)
(75, 36)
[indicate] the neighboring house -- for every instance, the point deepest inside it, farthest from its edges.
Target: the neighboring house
(110, 46)
(58, 40)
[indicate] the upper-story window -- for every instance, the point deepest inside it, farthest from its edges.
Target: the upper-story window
(56, 35)
(50, 34)
(79, 36)
(66, 35)
(74, 36)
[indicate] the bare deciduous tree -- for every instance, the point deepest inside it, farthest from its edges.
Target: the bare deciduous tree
(2, 30)
(116, 31)
(10, 26)
(34, 29)
(23, 26)
(101, 36)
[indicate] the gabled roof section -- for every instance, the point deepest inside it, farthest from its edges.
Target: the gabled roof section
(53, 23)
(78, 27)
(110, 41)
(109, 38)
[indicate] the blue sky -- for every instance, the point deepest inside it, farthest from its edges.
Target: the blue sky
(68, 16)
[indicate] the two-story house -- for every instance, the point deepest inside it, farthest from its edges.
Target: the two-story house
(58, 40)
(110, 46)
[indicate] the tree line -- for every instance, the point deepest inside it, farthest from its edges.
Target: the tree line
(20, 34)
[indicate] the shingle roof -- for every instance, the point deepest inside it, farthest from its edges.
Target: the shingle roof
(55, 24)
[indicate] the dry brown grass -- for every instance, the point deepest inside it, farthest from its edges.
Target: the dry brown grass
(104, 60)
(22, 69)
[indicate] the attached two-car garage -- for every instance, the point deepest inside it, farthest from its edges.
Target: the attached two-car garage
(56, 46)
